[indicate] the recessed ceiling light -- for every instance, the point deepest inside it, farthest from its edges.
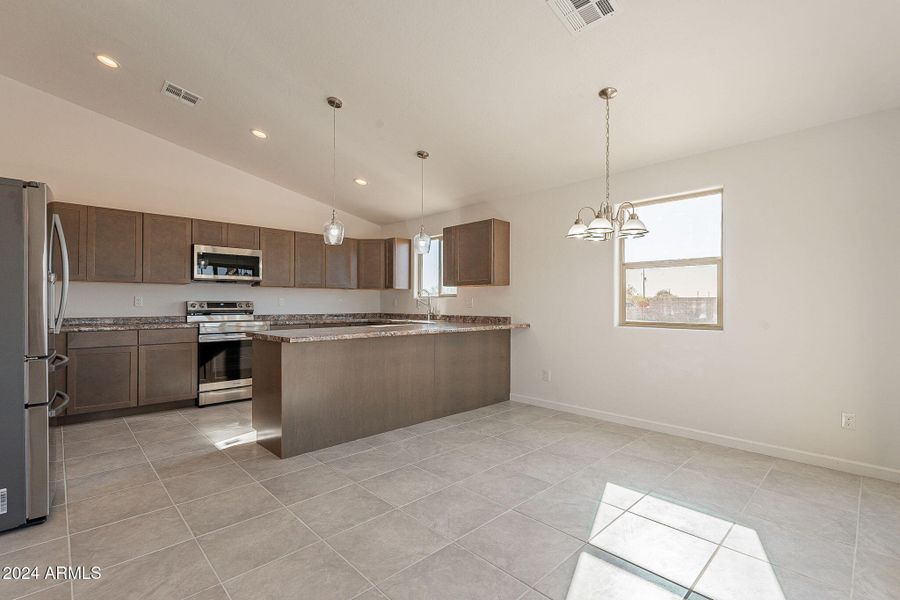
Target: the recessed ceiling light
(107, 61)
(259, 133)
(361, 181)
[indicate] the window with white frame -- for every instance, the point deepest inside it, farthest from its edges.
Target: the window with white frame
(672, 277)
(430, 271)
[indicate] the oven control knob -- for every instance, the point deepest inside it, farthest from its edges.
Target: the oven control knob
(192, 305)
(240, 305)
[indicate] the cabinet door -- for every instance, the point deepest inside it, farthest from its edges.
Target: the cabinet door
(209, 233)
(74, 223)
(474, 253)
(397, 261)
(114, 245)
(340, 265)
(309, 260)
(167, 249)
(371, 259)
(451, 275)
(168, 372)
(277, 257)
(242, 236)
(102, 378)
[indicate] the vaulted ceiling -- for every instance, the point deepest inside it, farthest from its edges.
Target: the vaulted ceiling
(500, 93)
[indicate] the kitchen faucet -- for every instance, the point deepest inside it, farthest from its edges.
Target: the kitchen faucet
(432, 310)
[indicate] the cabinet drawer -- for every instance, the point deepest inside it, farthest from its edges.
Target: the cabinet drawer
(147, 337)
(102, 339)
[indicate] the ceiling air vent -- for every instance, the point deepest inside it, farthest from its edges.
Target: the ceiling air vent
(579, 15)
(176, 91)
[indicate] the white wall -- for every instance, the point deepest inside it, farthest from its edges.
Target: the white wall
(812, 282)
(88, 158)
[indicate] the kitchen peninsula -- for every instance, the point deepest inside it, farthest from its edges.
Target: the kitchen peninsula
(315, 388)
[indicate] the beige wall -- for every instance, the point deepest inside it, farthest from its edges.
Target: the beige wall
(812, 281)
(91, 159)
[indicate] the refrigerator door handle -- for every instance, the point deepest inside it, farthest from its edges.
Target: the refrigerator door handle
(59, 360)
(64, 259)
(55, 411)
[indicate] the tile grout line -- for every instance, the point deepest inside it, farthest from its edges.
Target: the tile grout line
(856, 541)
(181, 516)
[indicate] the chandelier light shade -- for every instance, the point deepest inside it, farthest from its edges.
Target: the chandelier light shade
(333, 230)
(422, 241)
(604, 225)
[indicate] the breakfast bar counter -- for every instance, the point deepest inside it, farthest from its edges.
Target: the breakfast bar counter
(315, 388)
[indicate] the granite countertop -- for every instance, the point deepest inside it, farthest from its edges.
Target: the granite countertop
(77, 324)
(123, 323)
(331, 334)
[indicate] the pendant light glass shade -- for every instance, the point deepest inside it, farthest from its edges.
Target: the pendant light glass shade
(600, 225)
(633, 227)
(422, 242)
(578, 230)
(333, 231)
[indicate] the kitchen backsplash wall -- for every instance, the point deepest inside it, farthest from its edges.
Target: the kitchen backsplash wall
(118, 299)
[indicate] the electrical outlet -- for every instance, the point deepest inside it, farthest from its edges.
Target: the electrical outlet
(470, 302)
(281, 302)
(848, 420)
(396, 302)
(545, 375)
(138, 300)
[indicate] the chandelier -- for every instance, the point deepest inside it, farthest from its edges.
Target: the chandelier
(604, 224)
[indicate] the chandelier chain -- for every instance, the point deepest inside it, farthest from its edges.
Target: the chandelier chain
(423, 195)
(607, 149)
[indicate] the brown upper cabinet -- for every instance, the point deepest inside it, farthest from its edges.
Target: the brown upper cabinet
(384, 264)
(371, 265)
(114, 245)
(209, 233)
(243, 236)
(309, 260)
(230, 235)
(73, 218)
(477, 253)
(277, 257)
(167, 249)
(341, 265)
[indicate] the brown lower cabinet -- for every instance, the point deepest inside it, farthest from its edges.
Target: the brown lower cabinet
(102, 378)
(120, 369)
(167, 372)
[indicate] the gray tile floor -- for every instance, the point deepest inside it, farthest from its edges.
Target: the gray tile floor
(505, 502)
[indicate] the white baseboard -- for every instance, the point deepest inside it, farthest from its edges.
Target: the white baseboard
(812, 458)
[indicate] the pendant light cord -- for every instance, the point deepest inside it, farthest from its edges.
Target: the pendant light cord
(333, 162)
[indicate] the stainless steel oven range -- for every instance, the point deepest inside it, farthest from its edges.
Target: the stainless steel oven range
(225, 350)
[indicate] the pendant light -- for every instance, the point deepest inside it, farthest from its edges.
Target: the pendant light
(333, 230)
(604, 225)
(422, 241)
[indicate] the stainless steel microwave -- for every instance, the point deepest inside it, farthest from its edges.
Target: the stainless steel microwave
(218, 263)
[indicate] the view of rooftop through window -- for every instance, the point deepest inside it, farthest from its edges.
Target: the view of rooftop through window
(673, 276)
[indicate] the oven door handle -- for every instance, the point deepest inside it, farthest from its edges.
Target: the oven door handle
(222, 337)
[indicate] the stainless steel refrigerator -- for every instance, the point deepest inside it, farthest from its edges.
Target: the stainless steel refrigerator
(32, 307)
